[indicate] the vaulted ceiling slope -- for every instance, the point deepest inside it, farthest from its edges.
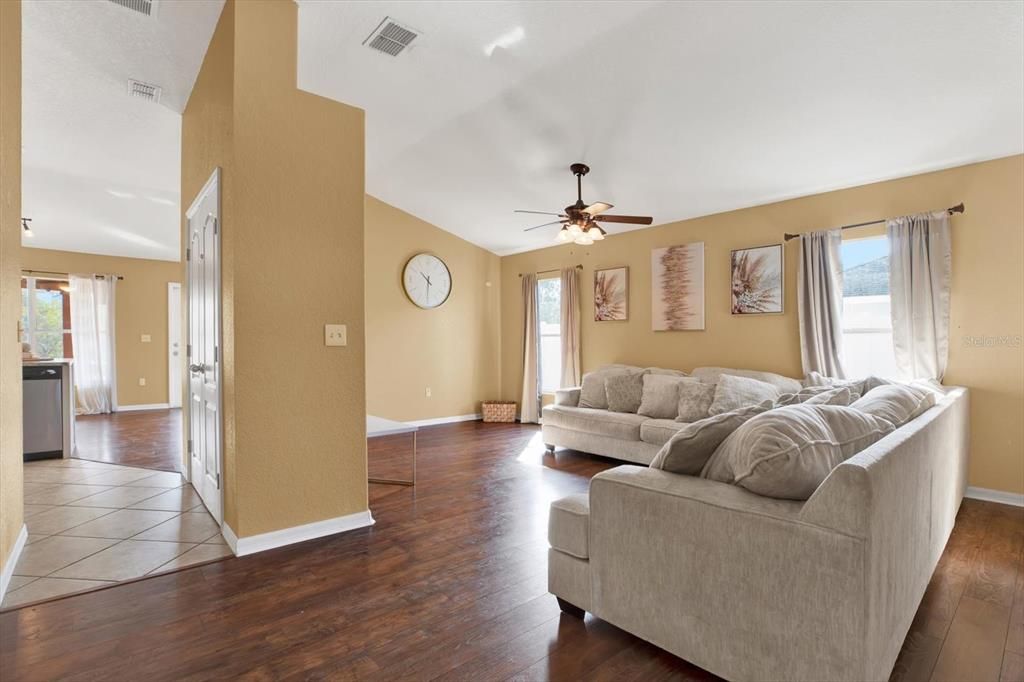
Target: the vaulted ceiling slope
(681, 109)
(101, 169)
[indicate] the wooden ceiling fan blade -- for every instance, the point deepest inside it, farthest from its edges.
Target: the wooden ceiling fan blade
(537, 227)
(597, 207)
(519, 210)
(633, 219)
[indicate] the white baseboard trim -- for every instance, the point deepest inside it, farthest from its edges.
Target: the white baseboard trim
(143, 408)
(289, 536)
(446, 420)
(12, 559)
(1000, 496)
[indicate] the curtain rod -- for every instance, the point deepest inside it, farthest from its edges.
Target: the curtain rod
(60, 274)
(579, 266)
(959, 208)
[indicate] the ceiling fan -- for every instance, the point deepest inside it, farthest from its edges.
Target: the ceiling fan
(579, 221)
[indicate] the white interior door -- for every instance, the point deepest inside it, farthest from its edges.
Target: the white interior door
(203, 349)
(175, 345)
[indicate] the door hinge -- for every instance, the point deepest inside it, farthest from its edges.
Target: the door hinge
(190, 446)
(188, 350)
(216, 353)
(218, 480)
(188, 253)
(216, 229)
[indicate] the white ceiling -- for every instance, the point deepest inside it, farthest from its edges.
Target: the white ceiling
(102, 170)
(681, 108)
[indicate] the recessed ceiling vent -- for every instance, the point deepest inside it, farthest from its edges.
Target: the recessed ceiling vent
(390, 37)
(147, 7)
(146, 91)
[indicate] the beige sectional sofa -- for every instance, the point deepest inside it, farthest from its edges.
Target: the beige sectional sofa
(623, 435)
(754, 588)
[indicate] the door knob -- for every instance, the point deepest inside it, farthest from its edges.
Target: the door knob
(197, 369)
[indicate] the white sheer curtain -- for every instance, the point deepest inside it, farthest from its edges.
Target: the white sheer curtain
(919, 280)
(529, 408)
(570, 327)
(820, 303)
(92, 333)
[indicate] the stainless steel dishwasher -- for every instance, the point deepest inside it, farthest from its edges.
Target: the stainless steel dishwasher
(42, 413)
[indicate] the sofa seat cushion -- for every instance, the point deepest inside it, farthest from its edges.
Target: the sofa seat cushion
(622, 425)
(569, 525)
(659, 431)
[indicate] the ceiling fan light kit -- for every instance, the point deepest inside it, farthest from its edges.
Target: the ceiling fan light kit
(579, 221)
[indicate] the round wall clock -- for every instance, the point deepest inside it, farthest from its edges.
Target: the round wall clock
(427, 280)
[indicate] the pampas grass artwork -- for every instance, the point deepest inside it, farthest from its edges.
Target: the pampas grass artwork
(677, 288)
(611, 294)
(757, 280)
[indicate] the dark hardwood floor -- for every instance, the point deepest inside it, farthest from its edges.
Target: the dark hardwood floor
(150, 439)
(451, 584)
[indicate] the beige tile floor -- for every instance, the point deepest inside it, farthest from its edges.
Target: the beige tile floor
(92, 524)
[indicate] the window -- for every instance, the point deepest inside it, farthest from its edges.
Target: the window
(46, 316)
(867, 326)
(549, 315)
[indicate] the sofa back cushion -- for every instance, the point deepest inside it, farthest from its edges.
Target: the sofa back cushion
(784, 384)
(733, 392)
(624, 391)
(787, 452)
(695, 398)
(592, 389)
(896, 403)
(690, 448)
(661, 396)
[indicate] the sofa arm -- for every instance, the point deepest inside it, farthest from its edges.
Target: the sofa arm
(568, 396)
(731, 581)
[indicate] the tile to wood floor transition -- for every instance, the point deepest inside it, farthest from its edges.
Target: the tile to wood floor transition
(83, 536)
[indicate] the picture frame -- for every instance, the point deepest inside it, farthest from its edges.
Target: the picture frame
(757, 277)
(611, 294)
(677, 288)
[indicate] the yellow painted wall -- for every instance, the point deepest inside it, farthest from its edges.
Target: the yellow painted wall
(206, 144)
(987, 296)
(11, 511)
(454, 349)
(141, 309)
(292, 261)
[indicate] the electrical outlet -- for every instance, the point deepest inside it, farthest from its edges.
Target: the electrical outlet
(142, 381)
(428, 391)
(146, 338)
(335, 335)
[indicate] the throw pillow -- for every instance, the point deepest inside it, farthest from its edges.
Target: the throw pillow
(897, 403)
(624, 391)
(803, 395)
(689, 450)
(661, 396)
(592, 391)
(695, 398)
(786, 453)
(733, 391)
(710, 375)
(670, 372)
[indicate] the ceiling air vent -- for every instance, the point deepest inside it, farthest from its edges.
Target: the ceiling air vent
(147, 7)
(390, 37)
(145, 91)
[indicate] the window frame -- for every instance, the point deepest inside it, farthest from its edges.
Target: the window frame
(31, 284)
(545, 390)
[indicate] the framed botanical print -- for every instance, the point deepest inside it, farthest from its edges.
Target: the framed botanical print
(677, 288)
(611, 294)
(757, 276)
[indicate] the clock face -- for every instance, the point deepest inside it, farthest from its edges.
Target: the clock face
(427, 281)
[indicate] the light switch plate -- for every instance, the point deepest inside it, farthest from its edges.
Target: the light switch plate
(142, 381)
(335, 335)
(146, 338)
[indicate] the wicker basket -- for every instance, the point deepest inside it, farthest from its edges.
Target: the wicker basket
(499, 411)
